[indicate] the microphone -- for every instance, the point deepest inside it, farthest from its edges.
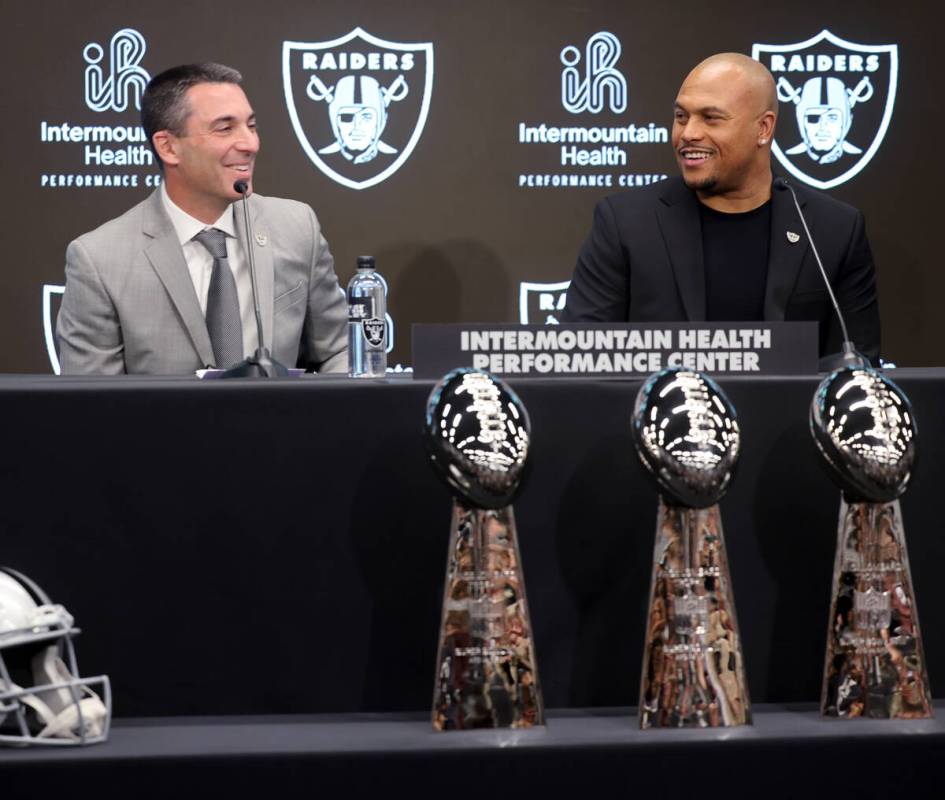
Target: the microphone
(850, 357)
(260, 364)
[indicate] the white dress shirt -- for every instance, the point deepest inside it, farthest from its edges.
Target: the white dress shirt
(200, 263)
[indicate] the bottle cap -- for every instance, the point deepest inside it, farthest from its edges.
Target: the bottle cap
(365, 262)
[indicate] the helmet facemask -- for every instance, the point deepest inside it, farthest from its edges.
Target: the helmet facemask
(41, 700)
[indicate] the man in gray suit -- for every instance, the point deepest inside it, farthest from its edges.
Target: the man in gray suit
(165, 288)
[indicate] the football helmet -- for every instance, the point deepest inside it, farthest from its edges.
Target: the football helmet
(41, 700)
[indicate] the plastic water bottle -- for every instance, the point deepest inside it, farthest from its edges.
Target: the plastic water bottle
(367, 330)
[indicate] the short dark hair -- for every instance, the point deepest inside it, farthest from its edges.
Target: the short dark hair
(163, 107)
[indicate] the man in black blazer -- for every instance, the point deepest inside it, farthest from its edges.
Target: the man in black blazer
(723, 242)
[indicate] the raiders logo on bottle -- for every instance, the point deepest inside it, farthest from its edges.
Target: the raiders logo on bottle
(373, 329)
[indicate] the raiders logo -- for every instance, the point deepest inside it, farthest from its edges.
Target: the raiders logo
(373, 329)
(358, 104)
(52, 299)
(542, 303)
(836, 101)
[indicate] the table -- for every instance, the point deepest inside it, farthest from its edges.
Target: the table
(788, 752)
(265, 548)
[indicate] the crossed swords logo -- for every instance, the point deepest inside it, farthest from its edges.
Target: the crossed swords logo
(357, 117)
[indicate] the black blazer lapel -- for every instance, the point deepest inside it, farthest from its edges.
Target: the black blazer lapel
(678, 217)
(787, 248)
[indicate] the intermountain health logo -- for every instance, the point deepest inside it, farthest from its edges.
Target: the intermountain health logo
(836, 101)
(593, 145)
(358, 104)
(102, 145)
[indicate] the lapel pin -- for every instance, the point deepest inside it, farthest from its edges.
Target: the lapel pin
(792, 237)
(262, 239)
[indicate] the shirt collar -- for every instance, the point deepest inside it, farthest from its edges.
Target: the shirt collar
(187, 227)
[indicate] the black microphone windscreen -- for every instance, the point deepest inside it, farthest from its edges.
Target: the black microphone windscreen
(781, 183)
(241, 187)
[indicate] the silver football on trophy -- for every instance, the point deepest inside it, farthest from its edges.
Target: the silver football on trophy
(687, 436)
(477, 433)
(865, 429)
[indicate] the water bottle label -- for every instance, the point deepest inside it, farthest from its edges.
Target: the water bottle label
(361, 309)
(373, 331)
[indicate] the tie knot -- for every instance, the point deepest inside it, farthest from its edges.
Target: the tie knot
(214, 240)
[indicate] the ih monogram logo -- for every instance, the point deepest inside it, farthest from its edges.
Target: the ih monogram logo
(125, 78)
(601, 78)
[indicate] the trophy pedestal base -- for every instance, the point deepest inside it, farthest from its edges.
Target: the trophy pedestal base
(875, 665)
(693, 672)
(486, 672)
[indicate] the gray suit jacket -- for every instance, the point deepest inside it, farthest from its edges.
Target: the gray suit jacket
(130, 304)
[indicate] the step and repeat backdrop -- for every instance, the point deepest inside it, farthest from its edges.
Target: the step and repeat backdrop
(485, 132)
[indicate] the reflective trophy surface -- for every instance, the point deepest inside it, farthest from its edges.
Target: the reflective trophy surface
(865, 429)
(687, 436)
(477, 433)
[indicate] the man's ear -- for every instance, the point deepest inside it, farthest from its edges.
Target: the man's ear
(166, 144)
(766, 125)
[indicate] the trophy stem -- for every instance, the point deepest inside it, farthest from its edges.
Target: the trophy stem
(693, 671)
(486, 675)
(875, 664)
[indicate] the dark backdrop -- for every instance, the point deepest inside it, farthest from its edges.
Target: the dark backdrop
(452, 230)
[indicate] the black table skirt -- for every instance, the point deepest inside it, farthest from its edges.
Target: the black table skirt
(248, 548)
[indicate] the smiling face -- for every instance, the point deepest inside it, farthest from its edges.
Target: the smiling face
(217, 147)
(722, 128)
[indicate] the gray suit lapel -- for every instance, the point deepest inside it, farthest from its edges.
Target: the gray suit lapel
(262, 253)
(681, 227)
(784, 256)
(166, 257)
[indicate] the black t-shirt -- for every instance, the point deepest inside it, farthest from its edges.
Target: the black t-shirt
(735, 254)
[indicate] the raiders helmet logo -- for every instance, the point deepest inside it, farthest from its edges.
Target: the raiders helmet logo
(542, 303)
(836, 100)
(52, 299)
(373, 329)
(358, 104)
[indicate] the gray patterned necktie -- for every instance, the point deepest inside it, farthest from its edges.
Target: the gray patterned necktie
(223, 303)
